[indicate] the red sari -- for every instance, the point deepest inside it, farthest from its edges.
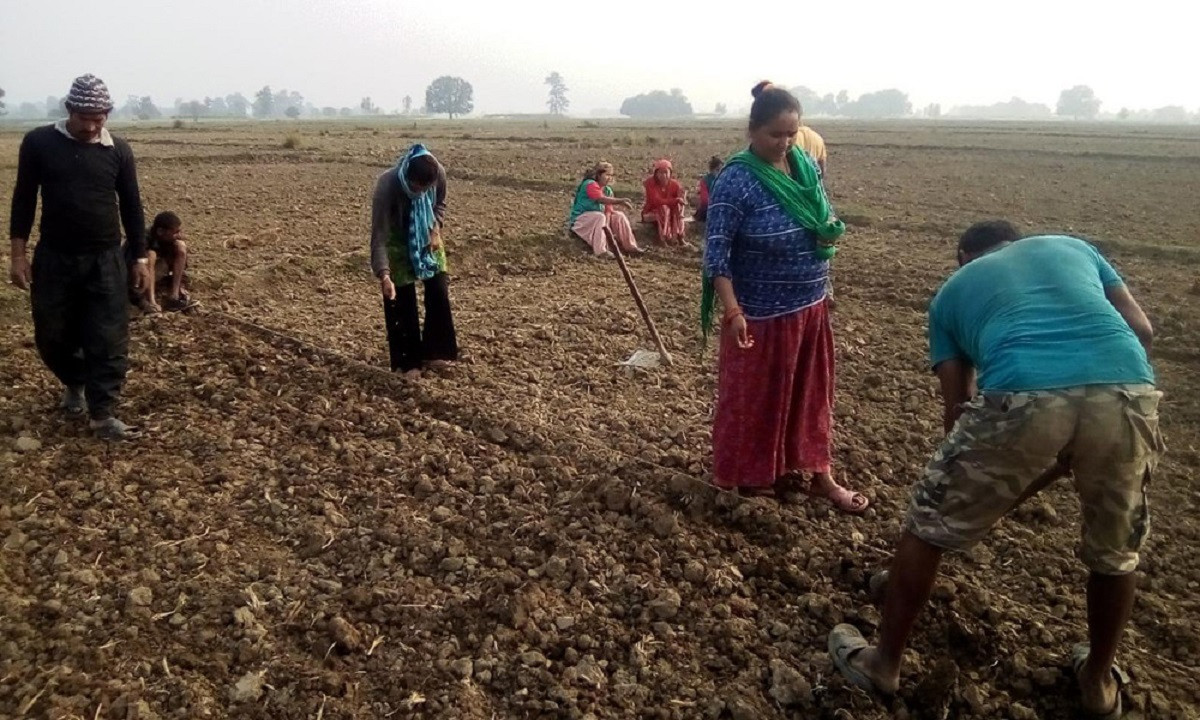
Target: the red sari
(774, 413)
(664, 207)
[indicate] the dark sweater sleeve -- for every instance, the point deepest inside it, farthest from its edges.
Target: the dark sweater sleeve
(25, 194)
(439, 204)
(381, 223)
(130, 198)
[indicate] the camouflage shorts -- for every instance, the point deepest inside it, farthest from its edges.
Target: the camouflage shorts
(1108, 434)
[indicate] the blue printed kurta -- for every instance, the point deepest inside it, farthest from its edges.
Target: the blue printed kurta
(768, 256)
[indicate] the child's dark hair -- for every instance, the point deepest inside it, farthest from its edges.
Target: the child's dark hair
(165, 220)
(983, 236)
(715, 163)
(769, 103)
(422, 170)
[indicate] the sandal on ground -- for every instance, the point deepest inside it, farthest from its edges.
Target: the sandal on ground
(845, 641)
(1079, 656)
(183, 303)
(149, 308)
(844, 500)
(113, 430)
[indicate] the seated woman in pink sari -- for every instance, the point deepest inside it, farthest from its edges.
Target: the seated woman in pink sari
(595, 209)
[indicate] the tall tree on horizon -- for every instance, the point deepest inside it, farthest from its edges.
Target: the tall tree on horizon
(450, 95)
(264, 103)
(558, 101)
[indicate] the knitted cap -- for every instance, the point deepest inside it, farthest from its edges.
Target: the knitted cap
(89, 94)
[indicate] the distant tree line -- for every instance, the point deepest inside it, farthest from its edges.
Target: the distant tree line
(454, 96)
(657, 104)
(449, 95)
(890, 103)
(1014, 109)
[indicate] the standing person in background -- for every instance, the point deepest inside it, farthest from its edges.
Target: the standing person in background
(407, 213)
(89, 189)
(771, 233)
(810, 142)
(706, 186)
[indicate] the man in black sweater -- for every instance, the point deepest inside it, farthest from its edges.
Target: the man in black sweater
(78, 276)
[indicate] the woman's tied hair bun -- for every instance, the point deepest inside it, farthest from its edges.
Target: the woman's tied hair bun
(759, 88)
(771, 101)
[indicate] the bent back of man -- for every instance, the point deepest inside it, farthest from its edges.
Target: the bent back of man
(1064, 386)
(1035, 315)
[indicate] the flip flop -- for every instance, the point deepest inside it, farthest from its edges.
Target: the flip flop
(183, 304)
(1079, 656)
(845, 641)
(843, 500)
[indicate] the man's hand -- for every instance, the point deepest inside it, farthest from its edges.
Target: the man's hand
(387, 287)
(957, 377)
(435, 239)
(627, 204)
(1132, 312)
(18, 271)
(139, 275)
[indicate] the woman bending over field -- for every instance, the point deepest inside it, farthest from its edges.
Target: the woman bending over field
(406, 246)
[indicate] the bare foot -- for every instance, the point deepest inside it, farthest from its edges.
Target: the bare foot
(1098, 695)
(867, 662)
(411, 375)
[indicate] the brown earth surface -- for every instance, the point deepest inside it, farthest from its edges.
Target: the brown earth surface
(530, 533)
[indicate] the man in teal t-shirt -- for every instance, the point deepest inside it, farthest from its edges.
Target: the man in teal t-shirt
(1049, 333)
(1035, 315)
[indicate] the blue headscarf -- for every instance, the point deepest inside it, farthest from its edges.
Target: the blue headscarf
(421, 219)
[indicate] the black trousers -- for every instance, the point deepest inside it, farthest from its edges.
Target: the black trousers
(81, 321)
(408, 346)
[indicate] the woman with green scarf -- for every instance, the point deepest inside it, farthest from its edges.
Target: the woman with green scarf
(771, 233)
(406, 246)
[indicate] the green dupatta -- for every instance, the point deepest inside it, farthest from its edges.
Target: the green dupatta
(802, 197)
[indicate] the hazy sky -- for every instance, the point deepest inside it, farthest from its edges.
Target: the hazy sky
(336, 51)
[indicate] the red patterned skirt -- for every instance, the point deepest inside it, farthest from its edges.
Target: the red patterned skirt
(775, 401)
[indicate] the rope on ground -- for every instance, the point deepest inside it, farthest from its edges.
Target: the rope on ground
(1191, 672)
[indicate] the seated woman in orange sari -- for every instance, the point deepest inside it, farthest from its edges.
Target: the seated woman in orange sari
(665, 201)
